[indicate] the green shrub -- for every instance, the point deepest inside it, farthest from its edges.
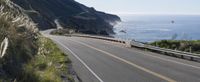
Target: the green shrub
(182, 45)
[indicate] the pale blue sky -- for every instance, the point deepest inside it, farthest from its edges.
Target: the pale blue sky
(145, 6)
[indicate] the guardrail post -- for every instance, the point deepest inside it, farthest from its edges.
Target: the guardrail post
(191, 58)
(128, 43)
(182, 56)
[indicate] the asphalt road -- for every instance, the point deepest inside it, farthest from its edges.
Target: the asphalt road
(103, 61)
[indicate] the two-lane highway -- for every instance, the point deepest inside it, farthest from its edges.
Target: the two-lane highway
(103, 61)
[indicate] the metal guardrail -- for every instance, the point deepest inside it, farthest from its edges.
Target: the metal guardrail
(179, 54)
(176, 53)
(98, 37)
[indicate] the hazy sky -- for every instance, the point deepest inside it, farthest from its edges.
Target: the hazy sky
(145, 6)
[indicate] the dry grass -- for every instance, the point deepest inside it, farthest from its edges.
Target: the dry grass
(22, 37)
(28, 57)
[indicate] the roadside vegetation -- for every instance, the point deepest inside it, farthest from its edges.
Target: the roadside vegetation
(182, 45)
(49, 65)
(28, 57)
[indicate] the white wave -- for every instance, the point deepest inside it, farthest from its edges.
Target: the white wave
(159, 29)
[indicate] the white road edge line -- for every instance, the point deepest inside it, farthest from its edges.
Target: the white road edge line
(100, 80)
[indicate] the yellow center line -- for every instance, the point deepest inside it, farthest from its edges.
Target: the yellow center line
(151, 55)
(128, 62)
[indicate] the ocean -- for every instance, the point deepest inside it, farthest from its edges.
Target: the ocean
(149, 28)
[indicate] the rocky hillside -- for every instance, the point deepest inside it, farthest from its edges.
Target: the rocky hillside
(26, 56)
(69, 14)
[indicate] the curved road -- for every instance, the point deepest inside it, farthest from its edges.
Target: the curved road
(103, 61)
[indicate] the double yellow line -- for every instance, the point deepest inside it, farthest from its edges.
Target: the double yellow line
(128, 62)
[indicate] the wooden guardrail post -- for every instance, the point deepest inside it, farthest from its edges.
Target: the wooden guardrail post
(128, 43)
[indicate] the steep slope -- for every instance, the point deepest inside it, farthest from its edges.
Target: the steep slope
(22, 34)
(70, 14)
(26, 56)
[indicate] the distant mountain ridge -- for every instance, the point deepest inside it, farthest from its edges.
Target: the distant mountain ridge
(70, 14)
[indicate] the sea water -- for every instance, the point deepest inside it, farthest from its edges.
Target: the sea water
(149, 28)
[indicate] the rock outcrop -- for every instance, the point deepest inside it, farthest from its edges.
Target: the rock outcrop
(69, 14)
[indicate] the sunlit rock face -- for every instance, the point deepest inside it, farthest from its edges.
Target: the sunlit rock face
(70, 14)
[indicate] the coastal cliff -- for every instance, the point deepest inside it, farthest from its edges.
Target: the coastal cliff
(69, 14)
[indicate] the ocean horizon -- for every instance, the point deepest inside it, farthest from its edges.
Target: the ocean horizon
(149, 28)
